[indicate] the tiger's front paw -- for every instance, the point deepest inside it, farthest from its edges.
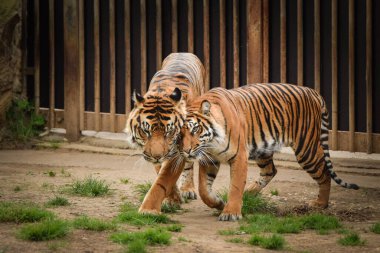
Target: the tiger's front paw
(230, 216)
(188, 193)
(149, 211)
(318, 204)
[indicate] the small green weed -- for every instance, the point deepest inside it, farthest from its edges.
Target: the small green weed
(235, 240)
(274, 192)
(65, 173)
(43, 231)
(351, 239)
(54, 144)
(151, 236)
(138, 246)
(22, 212)
(170, 208)
(51, 174)
(57, 201)
(175, 228)
(90, 187)
(320, 222)
(275, 241)
(227, 232)
(142, 190)
(376, 228)
(124, 180)
(183, 239)
(22, 121)
(17, 188)
(130, 215)
(87, 223)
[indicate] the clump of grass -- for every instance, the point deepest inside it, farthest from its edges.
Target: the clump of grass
(376, 228)
(175, 228)
(124, 180)
(54, 144)
(320, 222)
(274, 192)
(252, 203)
(65, 173)
(90, 187)
(43, 231)
(351, 239)
(152, 236)
(130, 215)
(51, 174)
(22, 212)
(57, 201)
(183, 239)
(274, 242)
(17, 188)
(87, 223)
(138, 246)
(142, 190)
(170, 208)
(227, 232)
(235, 240)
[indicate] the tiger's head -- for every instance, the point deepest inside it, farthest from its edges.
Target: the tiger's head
(155, 124)
(201, 133)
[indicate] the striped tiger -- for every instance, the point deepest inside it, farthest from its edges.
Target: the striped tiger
(252, 122)
(155, 122)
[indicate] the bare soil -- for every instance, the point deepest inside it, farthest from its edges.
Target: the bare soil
(29, 169)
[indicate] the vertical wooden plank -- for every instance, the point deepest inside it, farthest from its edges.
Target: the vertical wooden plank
(112, 65)
(174, 26)
(369, 73)
(265, 41)
(71, 68)
(158, 34)
(51, 65)
(351, 73)
(334, 73)
(206, 41)
(36, 55)
(283, 41)
(235, 27)
(127, 44)
(317, 46)
(96, 66)
(222, 42)
(190, 24)
(254, 42)
(81, 63)
(24, 49)
(299, 43)
(143, 46)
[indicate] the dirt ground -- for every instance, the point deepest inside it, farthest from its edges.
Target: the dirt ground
(28, 169)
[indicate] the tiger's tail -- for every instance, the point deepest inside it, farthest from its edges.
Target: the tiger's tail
(325, 145)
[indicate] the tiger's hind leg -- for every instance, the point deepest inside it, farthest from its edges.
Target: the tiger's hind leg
(267, 172)
(174, 198)
(313, 162)
(207, 175)
(186, 182)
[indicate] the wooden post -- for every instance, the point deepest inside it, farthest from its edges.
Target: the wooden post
(351, 73)
(369, 74)
(254, 41)
(222, 40)
(317, 46)
(265, 41)
(96, 66)
(206, 41)
(37, 55)
(143, 46)
(112, 66)
(190, 25)
(283, 41)
(299, 43)
(71, 68)
(24, 44)
(174, 26)
(127, 43)
(158, 34)
(81, 63)
(334, 73)
(235, 27)
(51, 65)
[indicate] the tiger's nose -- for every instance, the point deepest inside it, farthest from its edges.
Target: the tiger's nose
(186, 152)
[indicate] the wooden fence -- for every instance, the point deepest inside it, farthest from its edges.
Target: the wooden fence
(83, 58)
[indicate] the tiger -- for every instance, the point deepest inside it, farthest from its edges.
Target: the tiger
(251, 123)
(155, 122)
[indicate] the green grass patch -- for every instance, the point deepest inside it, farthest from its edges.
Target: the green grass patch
(124, 180)
(275, 242)
(252, 203)
(142, 190)
(170, 208)
(17, 188)
(130, 215)
(175, 228)
(87, 223)
(90, 187)
(64, 173)
(320, 222)
(183, 239)
(227, 232)
(22, 212)
(376, 228)
(57, 201)
(274, 192)
(45, 230)
(235, 240)
(351, 239)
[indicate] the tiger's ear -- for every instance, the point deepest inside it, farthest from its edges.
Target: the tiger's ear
(137, 98)
(205, 107)
(176, 95)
